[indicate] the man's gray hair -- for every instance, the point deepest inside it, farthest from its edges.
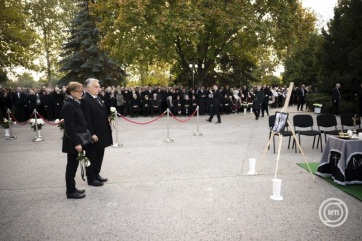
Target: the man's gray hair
(89, 81)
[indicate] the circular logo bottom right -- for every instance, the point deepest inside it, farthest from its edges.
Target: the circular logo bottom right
(333, 212)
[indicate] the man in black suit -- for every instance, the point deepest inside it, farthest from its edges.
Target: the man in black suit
(301, 93)
(336, 95)
(19, 103)
(215, 108)
(96, 116)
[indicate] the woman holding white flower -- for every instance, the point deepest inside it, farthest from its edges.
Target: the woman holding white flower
(74, 122)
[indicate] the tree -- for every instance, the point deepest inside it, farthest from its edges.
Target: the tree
(227, 39)
(304, 64)
(342, 47)
(82, 56)
(49, 18)
(16, 38)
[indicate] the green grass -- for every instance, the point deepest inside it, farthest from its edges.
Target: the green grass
(354, 190)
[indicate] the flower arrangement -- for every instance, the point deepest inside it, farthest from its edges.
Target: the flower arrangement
(250, 104)
(60, 124)
(244, 104)
(112, 113)
(40, 124)
(317, 105)
(83, 159)
(6, 123)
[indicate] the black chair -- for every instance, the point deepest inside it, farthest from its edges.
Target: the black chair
(346, 120)
(327, 121)
(283, 132)
(305, 122)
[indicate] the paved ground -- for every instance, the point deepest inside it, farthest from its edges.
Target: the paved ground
(196, 188)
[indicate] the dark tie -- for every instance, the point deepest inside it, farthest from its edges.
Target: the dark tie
(99, 101)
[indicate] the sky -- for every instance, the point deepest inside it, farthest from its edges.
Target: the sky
(322, 8)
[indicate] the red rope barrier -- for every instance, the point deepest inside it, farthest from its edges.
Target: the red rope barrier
(142, 123)
(21, 123)
(52, 124)
(183, 120)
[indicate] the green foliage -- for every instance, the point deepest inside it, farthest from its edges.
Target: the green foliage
(342, 55)
(49, 18)
(319, 98)
(82, 57)
(304, 64)
(227, 39)
(16, 38)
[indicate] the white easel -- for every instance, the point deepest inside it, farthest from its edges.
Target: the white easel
(277, 182)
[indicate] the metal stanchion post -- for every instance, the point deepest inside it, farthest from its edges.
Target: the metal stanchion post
(168, 140)
(10, 137)
(116, 129)
(197, 120)
(38, 136)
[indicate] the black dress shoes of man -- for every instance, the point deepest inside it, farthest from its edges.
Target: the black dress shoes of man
(101, 179)
(80, 191)
(75, 195)
(219, 122)
(95, 183)
(208, 120)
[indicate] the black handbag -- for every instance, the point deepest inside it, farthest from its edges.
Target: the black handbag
(85, 138)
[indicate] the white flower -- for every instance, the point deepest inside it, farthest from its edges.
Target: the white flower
(57, 121)
(40, 121)
(14, 122)
(32, 121)
(112, 109)
(5, 120)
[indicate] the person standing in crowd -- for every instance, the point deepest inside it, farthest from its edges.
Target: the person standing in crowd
(30, 102)
(215, 106)
(57, 99)
(265, 103)
(135, 106)
(5, 103)
(19, 104)
(146, 105)
(258, 97)
(156, 105)
(301, 93)
(336, 96)
(96, 116)
(201, 96)
(74, 122)
(120, 101)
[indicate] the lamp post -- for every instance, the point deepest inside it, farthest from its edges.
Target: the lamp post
(193, 67)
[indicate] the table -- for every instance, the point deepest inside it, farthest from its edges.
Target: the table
(342, 160)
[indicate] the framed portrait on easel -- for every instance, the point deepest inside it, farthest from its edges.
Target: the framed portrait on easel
(280, 121)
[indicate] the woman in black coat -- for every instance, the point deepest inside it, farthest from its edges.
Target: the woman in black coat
(74, 123)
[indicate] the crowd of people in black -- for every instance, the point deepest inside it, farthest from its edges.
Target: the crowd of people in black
(150, 100)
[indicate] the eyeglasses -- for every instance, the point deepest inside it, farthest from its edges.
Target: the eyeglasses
(79, 91)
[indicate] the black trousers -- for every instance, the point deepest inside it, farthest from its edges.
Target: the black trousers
(70, 171)
(264, 107)
(215, 110)
(256, 113)
(95, 156)
(335, 107)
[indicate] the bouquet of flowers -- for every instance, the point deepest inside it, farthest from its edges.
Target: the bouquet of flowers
(6, 123)
(244, 104)
(112, 113)
(250, 104)
(317, 105)
(60, 124)
(83, 159)
(33, 125)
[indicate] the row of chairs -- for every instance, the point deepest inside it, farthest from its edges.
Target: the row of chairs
(327, 125)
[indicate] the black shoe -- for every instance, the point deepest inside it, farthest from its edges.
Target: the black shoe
(95, 183)
(208, 120)
(80, 191)
(218, 122)
(101, 179)
(262, 116)
(75, 195)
